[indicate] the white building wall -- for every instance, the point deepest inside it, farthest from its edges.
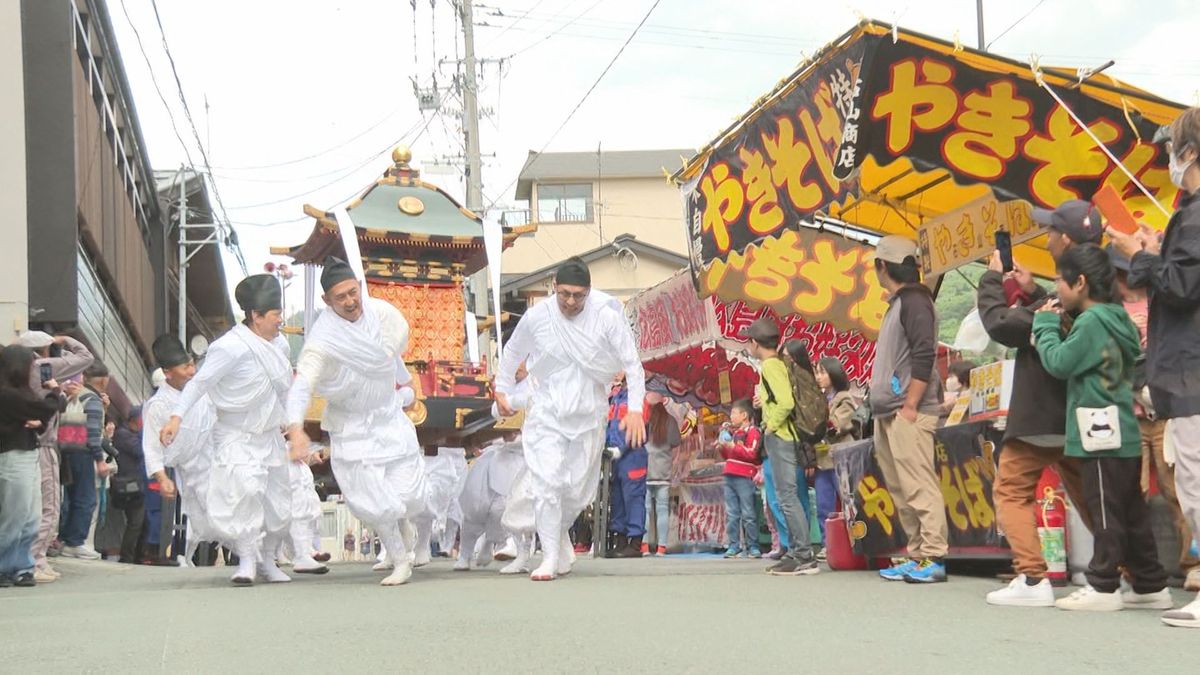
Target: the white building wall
(14, 273)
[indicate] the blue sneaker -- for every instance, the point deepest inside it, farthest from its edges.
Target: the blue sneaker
(755, 553)
(897, 572)
(733, 551)
(927, 572)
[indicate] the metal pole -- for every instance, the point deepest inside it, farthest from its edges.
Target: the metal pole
(183, 264)
(474, 192)
(979, 24)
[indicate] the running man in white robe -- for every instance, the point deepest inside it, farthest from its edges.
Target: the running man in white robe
(578, 343)
(190, 456)
(353, 357)
(489, 480)
(304, 532)
(445, 474)
(246, 374)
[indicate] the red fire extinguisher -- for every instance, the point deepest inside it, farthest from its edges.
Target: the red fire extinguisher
(1052, 531)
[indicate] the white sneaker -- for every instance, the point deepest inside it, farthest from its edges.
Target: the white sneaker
(1088, 599)
(1018, 593)
(1158, 600)
(80, 552)
(1187, 616)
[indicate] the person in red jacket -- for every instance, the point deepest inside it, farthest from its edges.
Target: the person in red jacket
(740, 450)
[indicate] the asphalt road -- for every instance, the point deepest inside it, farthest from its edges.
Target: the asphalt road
(653, 615)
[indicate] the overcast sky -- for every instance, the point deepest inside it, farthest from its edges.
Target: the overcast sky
(301, 100)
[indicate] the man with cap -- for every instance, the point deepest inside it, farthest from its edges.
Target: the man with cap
(72, 359)
(578, 342)
(905, 399)
(353, 357)
(190, 455)
(1037, 415)
(774, 394)
(246, 374)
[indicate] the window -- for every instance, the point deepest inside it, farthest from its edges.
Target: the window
(566, 203)
(106, 332)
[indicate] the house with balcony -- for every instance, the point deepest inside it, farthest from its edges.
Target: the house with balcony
(614, 209)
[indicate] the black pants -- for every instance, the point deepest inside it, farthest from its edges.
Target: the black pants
(135, 520)
(1121, 526)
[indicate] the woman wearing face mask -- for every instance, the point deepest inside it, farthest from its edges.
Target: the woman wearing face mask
(1169, 269)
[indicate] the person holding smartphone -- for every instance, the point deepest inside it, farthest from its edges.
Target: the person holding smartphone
(1035, 434)
(66, 358)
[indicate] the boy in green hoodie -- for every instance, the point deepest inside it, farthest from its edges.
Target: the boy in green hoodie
(1096, 360)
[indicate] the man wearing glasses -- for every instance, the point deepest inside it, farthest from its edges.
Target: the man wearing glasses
(574, 347)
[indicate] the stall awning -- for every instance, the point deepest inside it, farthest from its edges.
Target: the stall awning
(888, 131)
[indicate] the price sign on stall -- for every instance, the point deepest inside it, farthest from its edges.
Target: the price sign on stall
(959, 237)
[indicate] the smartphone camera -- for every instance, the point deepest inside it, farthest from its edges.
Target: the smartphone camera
(1004, 246)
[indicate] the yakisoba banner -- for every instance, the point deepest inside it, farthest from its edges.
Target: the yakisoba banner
(887, 130)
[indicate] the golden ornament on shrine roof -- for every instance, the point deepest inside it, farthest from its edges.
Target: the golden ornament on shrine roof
(410, 205)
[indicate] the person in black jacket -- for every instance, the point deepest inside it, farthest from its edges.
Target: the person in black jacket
(1170, 270)
(1037, 415)
(22, 414)
(127, 485)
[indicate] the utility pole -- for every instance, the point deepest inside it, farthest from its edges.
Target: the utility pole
(183, 257)
(979, 24)
(470, 124)
(470, 120)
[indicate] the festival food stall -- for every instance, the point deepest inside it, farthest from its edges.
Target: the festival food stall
(887, 131)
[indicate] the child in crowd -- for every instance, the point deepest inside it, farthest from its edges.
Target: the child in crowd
(835, 384)
(741, 463)
(1096, 359)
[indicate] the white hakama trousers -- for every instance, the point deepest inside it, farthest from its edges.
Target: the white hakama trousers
(383, 492)
(249, 494)
(306, 509)
(485, 495)
(564, 474)
(192, 481)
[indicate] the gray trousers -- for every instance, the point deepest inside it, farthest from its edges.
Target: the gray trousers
(782, 453)
(1185, 436)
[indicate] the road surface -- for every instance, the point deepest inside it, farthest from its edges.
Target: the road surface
(653, 615)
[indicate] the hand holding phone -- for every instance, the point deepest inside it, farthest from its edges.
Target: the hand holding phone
(1004, 248)
(45, 371)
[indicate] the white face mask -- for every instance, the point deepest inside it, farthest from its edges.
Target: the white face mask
(1178, 169)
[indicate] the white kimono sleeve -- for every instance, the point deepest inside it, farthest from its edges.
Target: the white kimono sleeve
(621, 339)
(516, 350)
(217, 364)
(308, 371)
(154, 416)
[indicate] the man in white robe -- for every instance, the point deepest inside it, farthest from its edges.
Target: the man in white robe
(445, 473)
(304, 533)
(485, 492)
(579, 342)
(190, 456)
(353, 358)
(246, 375)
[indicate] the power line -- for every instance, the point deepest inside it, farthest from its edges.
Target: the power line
(230, 236)
(1015, 24)
(315, 155)
(560, 29)
(372, 158)
(589, 91)
(157, 88)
